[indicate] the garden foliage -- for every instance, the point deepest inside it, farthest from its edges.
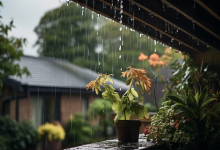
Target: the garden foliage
(190, 115)
(16, 136)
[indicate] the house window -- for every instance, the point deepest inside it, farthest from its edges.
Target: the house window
(37, 109)
(84, 105)
(50, 112)
(45, 109)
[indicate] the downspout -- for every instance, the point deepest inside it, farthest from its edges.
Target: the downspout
(16, 97)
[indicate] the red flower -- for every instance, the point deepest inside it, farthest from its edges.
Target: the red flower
(147, 130)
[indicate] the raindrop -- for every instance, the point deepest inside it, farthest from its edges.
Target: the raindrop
(121, 69)
(119, 40)
(67, 2)
(155, 50)
(120, 89)
(155, 42)
(92, 14)
(139, 8)
(140, 34)
(165, 27)
(120, 48)
(160, 35)
(163, 7)
(193, 26)
(120, 28)
(98, 15)
(82, 10)
(120, 57)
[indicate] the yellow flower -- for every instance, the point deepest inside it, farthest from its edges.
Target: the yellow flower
(53, 132)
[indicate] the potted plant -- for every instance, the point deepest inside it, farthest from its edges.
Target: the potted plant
(51, 135)
(124, 107)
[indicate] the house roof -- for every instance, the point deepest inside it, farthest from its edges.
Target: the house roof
(52, 72)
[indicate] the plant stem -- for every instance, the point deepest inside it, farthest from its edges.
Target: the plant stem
(154, 93)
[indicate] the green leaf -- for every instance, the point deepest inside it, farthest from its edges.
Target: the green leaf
(206, 103)
(128, 81)
(141, 112)
(130, 96)
(192, 103)
(127, 112)
(187, 110)
(116, 107)
(202, 96)
(109, 79)
(124, 100)
(117, 117)
(176, 99)
(111, 88)
(184, 97)
(197, 97)
(105, 95)
(134, 92)
(216, 108)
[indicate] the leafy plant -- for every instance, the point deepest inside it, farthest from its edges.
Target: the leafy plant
(16, 136)
(10, 51)
(99, 113)
(150, 107)
(189, 121)
(126, 105)
(78, 132)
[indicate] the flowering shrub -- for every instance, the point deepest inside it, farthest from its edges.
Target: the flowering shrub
(53, 132)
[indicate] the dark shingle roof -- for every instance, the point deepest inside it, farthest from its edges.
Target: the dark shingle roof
(51, 72)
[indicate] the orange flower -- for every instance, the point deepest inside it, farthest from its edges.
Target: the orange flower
(154, 59)
(172, 125)
(167, 50)
(161, 63)
(142, 57)
(177, 126)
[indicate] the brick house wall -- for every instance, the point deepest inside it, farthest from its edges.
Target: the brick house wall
(12, 109)
(72, 105)
(25, 109)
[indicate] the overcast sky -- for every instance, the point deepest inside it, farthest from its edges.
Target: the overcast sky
(26, 15)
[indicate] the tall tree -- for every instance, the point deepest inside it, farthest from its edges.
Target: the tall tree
(10, 52)
(66, 32)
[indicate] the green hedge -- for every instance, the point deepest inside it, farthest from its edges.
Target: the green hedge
(16, 136)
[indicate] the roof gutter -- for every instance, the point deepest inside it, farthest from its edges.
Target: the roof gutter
(16, 97)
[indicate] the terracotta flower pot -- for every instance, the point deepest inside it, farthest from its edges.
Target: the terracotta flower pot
(128, 130)
(51, 145)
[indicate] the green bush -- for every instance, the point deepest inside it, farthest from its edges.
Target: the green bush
(16, 136)
(150, 107)
(78, 132)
